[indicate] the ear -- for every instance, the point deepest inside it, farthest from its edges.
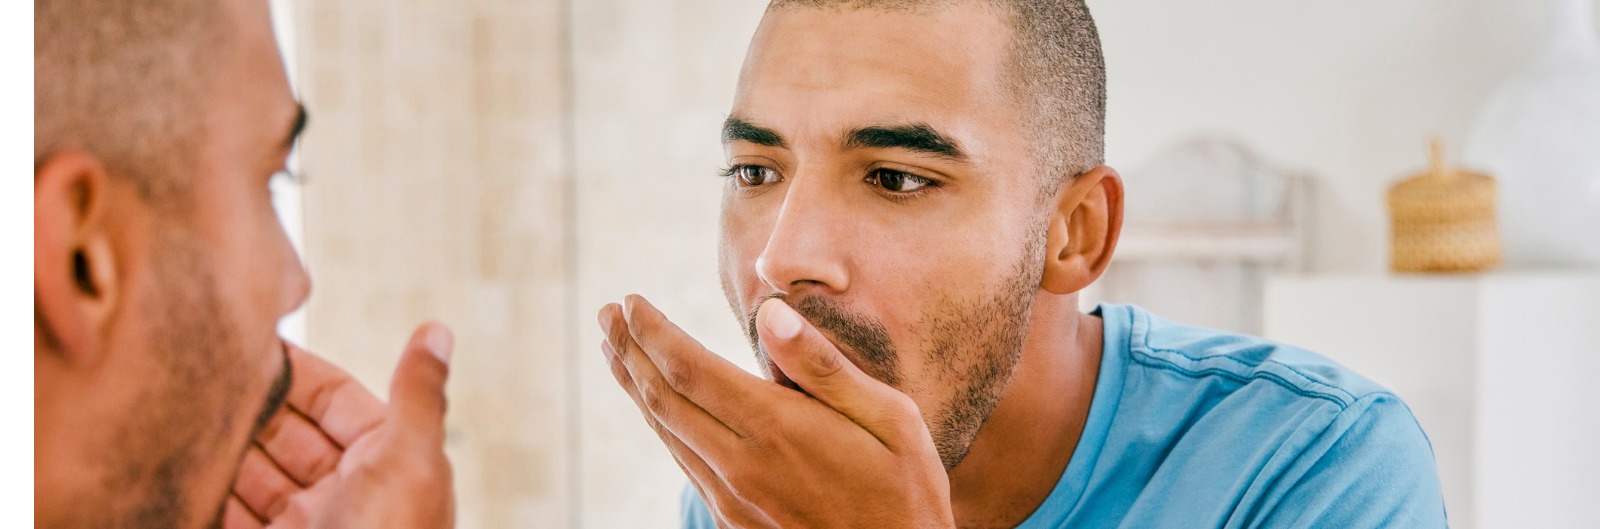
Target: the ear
(74, 267)
(1083, 230)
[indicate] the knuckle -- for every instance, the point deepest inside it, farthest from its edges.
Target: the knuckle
(655, 399)
(678, 372)
(324, 464)
(824, 365)
(619, 370)
(638, 329)
(620, 340)
(277, 502)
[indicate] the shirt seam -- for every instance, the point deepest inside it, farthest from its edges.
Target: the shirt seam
(1145, 349)
(1166, 365)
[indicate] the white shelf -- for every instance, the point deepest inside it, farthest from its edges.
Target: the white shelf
(1241, 241)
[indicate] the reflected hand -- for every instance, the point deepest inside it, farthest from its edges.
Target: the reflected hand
(335, 456)
(849, 452)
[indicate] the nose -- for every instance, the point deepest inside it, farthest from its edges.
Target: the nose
(808, 244)
(295, 284)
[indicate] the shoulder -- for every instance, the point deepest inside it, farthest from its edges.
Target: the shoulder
(1305, 434)
(1260, 384)
(1226, 360)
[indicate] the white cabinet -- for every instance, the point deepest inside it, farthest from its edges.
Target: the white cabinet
(1500, 369)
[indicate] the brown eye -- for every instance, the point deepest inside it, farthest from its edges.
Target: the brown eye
(753, 175)
(896, 181)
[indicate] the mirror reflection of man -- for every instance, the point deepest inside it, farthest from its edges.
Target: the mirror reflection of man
(915, 195)
(163, 397)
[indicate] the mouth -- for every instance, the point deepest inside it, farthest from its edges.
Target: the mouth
(782, 379)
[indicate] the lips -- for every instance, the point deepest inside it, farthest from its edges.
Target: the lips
(782, 379)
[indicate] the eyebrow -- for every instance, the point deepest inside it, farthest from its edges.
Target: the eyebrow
(299, 126)
(735, 129)
(915, 137)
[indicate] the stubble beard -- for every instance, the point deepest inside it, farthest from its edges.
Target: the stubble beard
(179, 424)
(973, 347)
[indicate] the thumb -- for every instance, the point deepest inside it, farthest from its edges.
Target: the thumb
(817, 366)
(416, 395)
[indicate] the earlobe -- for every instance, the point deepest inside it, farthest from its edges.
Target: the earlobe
(1083, 230)
(74, 273)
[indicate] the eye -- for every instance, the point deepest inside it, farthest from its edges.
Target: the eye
(752, 175)
(897, 181)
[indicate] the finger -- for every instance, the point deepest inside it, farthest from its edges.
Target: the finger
(721, 502)
(417, 392)
(817, 366)
(306, 507)
(262, 486)
(299, 447)
(333, 400)
(235, 515)
(728, 393)
(661, 403)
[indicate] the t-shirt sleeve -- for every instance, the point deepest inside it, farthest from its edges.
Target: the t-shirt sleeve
(1372, 467)
(694, 512)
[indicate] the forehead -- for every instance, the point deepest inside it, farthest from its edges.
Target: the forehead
(251, 56)
(250, 104)
(822, 70)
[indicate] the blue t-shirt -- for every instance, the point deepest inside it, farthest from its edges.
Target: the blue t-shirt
(1194, 428)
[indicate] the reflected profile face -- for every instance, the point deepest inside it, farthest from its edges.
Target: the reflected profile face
(878, 182)
(199, 340)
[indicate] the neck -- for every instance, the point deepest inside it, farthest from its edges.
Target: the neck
(1021, 451)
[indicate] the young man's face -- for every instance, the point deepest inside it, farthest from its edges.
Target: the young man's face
(196, 346)
(880, 183)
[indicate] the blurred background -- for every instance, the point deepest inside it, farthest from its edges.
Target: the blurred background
(509, 166)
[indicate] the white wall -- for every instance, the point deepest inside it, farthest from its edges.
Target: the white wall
(1348, 90)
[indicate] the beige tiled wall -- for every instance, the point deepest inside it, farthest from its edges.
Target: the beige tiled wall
(437, 188)
(440, 186)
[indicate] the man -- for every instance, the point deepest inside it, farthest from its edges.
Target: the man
(915, 195)
(160, 272)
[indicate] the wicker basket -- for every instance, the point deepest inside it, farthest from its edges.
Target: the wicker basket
(1443, 221)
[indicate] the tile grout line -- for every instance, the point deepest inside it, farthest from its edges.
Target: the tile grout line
(570, 262)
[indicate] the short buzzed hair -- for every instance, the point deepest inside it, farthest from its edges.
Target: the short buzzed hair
(1057, 72)
(120, 80)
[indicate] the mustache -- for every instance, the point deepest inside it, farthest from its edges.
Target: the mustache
(277, 393)
(850, 331)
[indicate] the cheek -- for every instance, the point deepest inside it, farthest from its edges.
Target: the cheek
(247, 248)
(744, 234)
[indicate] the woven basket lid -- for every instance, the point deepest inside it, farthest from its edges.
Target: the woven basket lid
(1443, 220)
(1442, 194)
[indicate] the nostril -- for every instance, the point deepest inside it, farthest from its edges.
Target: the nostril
(769, 275)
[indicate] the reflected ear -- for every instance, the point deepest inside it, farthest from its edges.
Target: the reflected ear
(74, 268)
(1082, 231)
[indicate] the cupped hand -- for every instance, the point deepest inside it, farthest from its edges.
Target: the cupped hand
(850, 451)
(335, 456)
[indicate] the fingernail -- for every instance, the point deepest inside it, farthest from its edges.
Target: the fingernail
(605, 321)
(783, 321)
(440, 342)
(628, 304)
(605, 347)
